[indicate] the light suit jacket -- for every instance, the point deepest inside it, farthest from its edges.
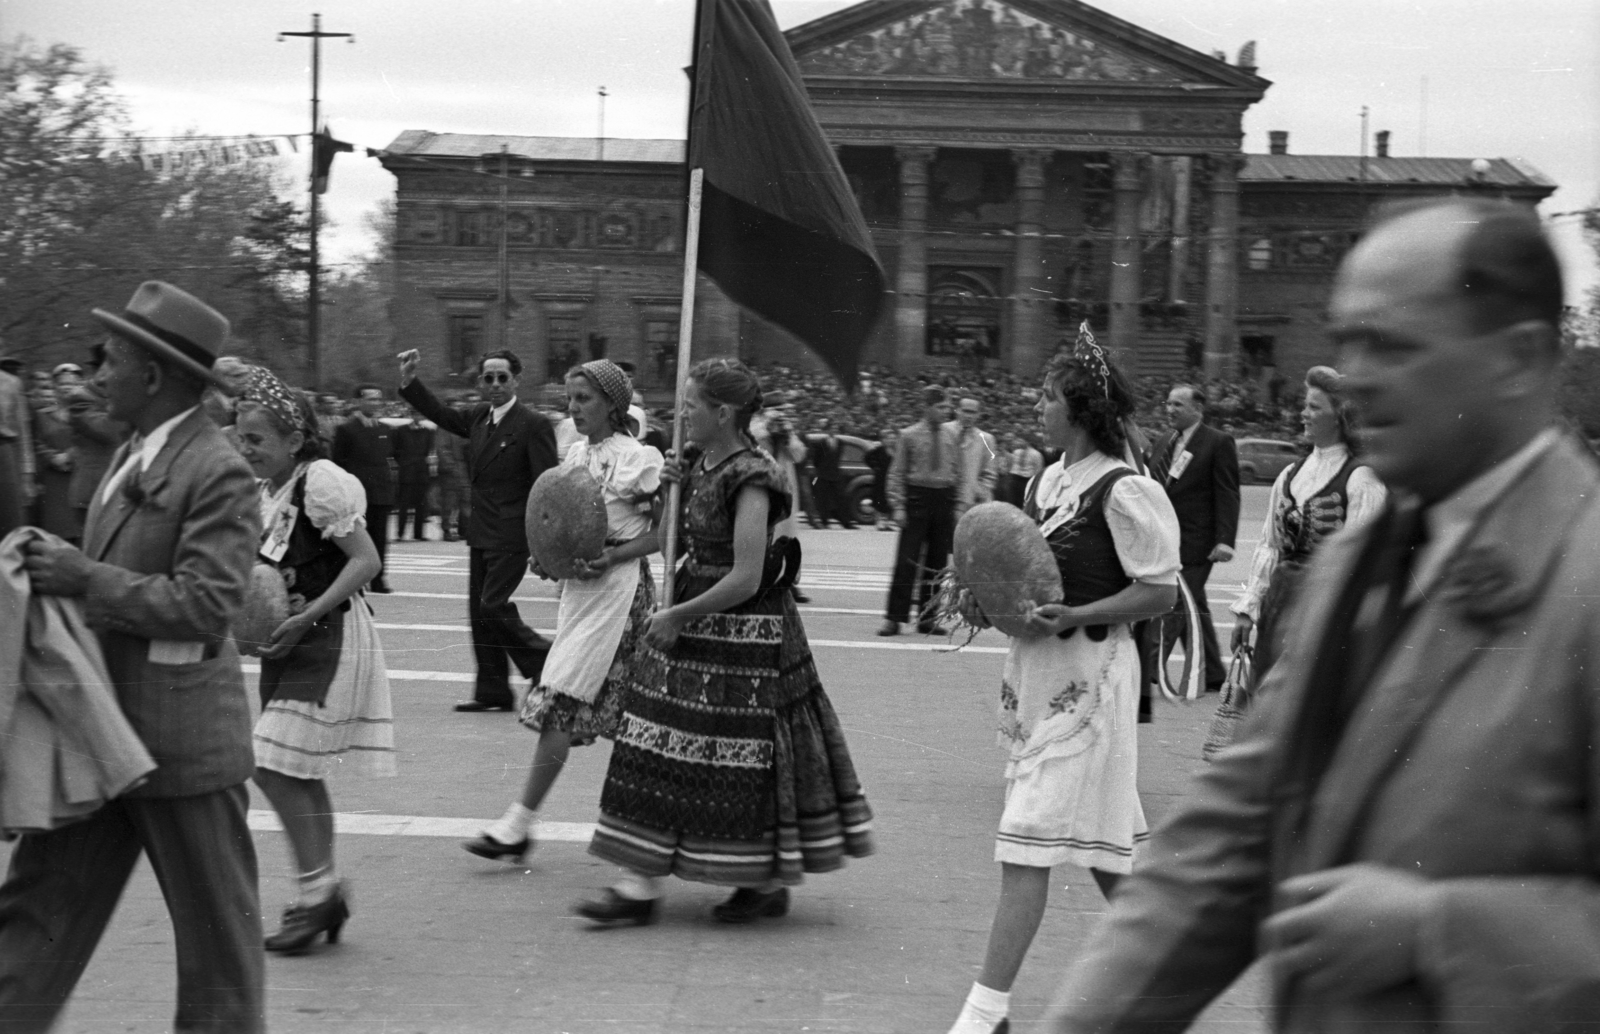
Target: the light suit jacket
(1473, 760)
(173, 558)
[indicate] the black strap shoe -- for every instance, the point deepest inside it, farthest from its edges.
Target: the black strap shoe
(747, 905)
(479, 705)
(303, 924)
(614, 908)
(486, 846)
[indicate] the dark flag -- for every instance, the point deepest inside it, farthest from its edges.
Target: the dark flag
(323, 148)
(780, 231)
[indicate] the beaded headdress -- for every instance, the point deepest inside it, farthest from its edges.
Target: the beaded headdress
(1089, 350)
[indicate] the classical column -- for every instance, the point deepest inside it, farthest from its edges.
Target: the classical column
(1126, 246)
(1030, 296)
(911, 269)
(1178, 268)
(1222, 266)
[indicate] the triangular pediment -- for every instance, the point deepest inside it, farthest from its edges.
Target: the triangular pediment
(1046, 40)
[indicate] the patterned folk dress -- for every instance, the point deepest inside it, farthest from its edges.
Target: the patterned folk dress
(1069, 702)
(730, 766)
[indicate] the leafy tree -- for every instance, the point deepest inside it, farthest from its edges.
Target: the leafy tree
(83, 221)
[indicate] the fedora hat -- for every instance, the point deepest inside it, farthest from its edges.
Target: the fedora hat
(174, 325)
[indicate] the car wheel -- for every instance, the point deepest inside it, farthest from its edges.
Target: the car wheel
(1247, 473)
(861, 505)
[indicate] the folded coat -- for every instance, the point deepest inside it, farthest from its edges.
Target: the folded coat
(65, 746)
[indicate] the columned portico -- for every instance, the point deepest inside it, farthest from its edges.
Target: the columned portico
(1030, 294)
(1222, 266)
(1127, 248)
(911, 278)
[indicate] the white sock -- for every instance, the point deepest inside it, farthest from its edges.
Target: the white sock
(638, 888)
(318, 886)
(511, 827)
(984, 1008)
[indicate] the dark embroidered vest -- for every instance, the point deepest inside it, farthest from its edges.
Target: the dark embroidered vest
(309, 566)
(1085, 552)
(1302, 526)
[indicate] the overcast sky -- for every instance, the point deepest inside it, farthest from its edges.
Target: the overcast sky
(1504, 77)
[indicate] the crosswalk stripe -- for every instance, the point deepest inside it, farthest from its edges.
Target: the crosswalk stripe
(361, 824)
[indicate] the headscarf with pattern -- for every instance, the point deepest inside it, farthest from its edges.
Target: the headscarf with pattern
(263, 388)
(614, 384)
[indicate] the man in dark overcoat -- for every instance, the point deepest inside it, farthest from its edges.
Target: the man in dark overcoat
(364, 446)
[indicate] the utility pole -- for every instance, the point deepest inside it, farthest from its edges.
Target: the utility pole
(505, 263)
(601, 136)
(316, 36)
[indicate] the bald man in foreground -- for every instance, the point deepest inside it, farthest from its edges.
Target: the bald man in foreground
(1409, 828)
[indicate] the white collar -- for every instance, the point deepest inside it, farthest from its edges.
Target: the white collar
(498, 413)
(153, 442)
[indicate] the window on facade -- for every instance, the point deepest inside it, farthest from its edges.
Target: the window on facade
(564, 338)
(470, 229)
(661, 349)
(1260, 254)
(465, 342)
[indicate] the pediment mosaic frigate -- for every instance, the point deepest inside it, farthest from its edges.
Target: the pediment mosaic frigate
(988, 39)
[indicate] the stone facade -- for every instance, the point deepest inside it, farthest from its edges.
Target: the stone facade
(1021, 166)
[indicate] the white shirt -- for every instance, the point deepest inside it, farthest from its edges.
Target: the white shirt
(1143, 525)
(498, 413)
(148, 450)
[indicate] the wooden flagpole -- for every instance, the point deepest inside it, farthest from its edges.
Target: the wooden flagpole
(691, 266)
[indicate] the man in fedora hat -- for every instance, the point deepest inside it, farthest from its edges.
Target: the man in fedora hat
(171, 534)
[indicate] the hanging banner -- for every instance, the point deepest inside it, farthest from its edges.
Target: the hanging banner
(208, 152)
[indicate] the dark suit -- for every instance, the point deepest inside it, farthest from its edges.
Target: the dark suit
(828, 483)
(503, 462)
(1205, 495)
(1466, 757)
(173, 548)
(366, 449)
(412, 445)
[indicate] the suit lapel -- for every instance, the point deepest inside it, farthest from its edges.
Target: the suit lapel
(108, 522)
(1525, 532)
(95, 534)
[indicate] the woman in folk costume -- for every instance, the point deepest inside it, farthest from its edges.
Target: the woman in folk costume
(1315, 497)
(603, 610)
(324, 682)
(1069, 695)
(730, 766)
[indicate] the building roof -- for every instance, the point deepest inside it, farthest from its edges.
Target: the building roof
(423, 144)
(1341, 168)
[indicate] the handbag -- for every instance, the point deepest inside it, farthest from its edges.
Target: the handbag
(1235, 702)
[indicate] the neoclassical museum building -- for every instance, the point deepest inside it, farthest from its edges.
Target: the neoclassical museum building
(1022, 166)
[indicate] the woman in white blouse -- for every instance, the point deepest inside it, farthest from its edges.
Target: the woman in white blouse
(1315, 497)
(1069, 695)
(603, 610)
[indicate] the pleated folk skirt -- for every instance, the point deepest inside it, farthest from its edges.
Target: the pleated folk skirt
(730, 766)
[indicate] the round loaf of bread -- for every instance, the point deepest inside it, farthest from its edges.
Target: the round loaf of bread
(566, 520)
(1003, 560)
(266, 606)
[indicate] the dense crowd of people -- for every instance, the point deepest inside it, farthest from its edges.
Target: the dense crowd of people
(1403, 835)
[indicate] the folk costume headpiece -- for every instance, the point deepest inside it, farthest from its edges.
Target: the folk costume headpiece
(1089, 350)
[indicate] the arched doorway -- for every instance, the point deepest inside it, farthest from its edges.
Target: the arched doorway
(964, 314)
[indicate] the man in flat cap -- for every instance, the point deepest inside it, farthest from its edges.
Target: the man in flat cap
(172, 531)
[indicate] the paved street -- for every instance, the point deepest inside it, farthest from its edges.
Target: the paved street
(442, 941)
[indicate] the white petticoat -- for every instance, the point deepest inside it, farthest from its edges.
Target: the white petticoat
(354, 728)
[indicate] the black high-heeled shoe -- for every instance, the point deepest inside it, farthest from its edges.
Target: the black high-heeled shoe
(614, 908)
(747, 905)
(485, 846)
(302, 924)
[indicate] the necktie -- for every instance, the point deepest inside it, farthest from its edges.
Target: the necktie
(1349, 655)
